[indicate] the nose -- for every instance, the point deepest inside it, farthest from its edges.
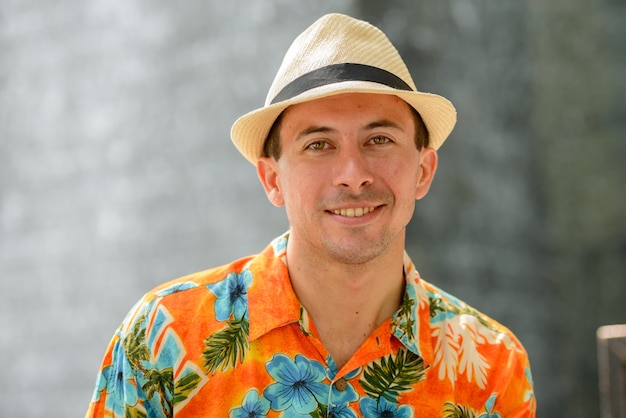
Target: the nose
(353, 171)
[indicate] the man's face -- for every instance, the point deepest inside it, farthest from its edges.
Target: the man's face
(348, 175)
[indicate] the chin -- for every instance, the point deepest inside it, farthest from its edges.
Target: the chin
(354, 254)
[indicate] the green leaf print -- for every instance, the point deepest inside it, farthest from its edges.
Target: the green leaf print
(135, 345)
(435, 306)
(406, 313)
(133, 412)
(185, 386)
(320, 412)
(457, 411)
(225, 347)
(158, 381)
(438, 305)
(391, 376)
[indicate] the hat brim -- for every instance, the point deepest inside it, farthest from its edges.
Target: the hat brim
(249, 132)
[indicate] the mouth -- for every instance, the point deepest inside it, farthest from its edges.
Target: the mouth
(354, 212)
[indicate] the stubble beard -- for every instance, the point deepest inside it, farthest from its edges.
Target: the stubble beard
(355, 246)
(358, 249)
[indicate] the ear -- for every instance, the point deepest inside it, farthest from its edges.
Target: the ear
(428, 167)
(267, 170)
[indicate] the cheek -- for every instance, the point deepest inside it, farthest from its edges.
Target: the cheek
(297, 187)
(403, 178)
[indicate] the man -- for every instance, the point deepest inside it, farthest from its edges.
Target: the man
(332, 319)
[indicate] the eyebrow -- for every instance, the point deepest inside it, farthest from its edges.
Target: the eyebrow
(382, 123)
(314, 130)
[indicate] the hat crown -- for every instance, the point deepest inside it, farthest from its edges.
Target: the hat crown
(338, 54)
(334, 39)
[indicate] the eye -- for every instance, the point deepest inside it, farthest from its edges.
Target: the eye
(379, 140)
(317, 146)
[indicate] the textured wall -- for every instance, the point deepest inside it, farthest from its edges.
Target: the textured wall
(117, 172)
(527, 216)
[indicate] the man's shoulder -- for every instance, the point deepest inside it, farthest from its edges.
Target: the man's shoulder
(227, 283)
(200, 279)
(452, 313)
(185, 296)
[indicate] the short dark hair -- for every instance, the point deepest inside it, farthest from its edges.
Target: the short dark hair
(271, 146)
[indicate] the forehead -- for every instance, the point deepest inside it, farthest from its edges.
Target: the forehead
(350, 105)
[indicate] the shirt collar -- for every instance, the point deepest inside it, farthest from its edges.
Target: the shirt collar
(411, 323)
(271, 283)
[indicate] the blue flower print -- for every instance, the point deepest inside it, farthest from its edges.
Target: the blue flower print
(232, 295)
(370, 408)
(102, 381)
(489, 408)
(175, 288)
(298, 389)
(252, 406)
(341, 411)
(119, 377)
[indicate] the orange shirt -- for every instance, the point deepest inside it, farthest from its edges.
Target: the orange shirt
(235, 341)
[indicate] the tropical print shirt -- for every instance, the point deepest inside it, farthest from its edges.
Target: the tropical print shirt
(234, 341)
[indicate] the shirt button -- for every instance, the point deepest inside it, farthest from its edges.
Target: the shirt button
(341, 384)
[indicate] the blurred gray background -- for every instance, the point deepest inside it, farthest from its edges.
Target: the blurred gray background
(117, 172)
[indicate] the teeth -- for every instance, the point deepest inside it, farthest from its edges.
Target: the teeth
(354, 212)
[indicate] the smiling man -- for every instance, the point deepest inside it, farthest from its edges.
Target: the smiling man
(332, 318)
(348, 174)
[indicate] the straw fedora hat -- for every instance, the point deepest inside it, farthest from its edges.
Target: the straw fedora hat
(339, 54)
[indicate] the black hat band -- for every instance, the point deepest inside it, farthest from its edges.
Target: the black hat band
(336, 73)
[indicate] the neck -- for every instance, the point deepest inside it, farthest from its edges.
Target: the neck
(361, 296)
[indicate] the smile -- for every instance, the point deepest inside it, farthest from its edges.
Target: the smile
(354, 212)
